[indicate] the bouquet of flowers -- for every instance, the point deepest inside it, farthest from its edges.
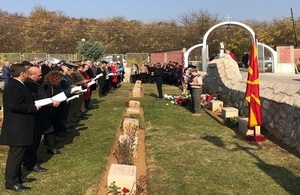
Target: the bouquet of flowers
(181, 99)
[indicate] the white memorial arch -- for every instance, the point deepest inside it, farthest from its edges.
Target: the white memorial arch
(205, 54)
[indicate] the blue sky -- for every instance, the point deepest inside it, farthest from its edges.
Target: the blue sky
(151, 10)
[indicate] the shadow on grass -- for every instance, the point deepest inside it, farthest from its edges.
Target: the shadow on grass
(282, 176)
(188, 106)
(217, 141)
(72, 132)
(94, 103)
(239, 135)
(280, 144)
(43, 156)
(153, 95)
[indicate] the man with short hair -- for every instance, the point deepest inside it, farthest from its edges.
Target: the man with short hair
(43, 119)
(18, 126)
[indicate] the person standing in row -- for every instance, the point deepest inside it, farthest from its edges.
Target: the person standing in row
(6, 74)
(134, 73)
(143, 73)
(18, 126)
(43, 118)
(91, 74)
(101, 81)
(52, 87)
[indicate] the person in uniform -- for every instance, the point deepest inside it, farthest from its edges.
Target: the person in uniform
(196, 87)
(158, 79)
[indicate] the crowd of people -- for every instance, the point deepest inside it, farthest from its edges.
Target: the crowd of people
(43, 101)
(171, 73)
(167, 73)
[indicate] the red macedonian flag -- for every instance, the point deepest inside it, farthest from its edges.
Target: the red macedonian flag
(252, 90)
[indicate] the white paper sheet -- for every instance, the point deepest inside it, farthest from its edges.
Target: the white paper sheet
(59, 97)
(43, 102)
(77, 88)
(83, 91)
(91, 83)
(97, 76)
(73, 97)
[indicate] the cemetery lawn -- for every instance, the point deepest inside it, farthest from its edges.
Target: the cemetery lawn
(185, 154)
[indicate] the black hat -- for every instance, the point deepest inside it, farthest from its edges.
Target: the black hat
(26, 63)
(192, 66)
(61, 62)
(70, 65)
(104, 62)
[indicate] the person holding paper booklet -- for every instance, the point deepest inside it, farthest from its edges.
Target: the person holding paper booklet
(66, 85)
(18, 127)
(86, 95)
(101, 80)
(75, 80)
(51, 85)
(42, 124)
(91, 71)
(114, 76)
(109, 78)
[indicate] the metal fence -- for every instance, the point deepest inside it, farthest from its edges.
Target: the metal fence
(19, 57)
(136, 58)
(129, 58)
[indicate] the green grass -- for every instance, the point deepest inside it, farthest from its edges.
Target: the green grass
(198, 155)
(84, 152)
(185, 155)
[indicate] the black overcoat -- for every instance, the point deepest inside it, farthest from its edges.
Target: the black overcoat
(19, 115)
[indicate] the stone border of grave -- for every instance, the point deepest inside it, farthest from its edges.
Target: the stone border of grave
(138, 89)
(217, 110)
(122, 176)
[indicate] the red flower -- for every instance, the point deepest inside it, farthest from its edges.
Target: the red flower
(126, 103)
(125, 190)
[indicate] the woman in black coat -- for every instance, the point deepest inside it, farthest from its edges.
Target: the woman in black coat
(55, 121)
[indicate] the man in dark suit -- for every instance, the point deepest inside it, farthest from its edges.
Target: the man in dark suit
(18, 126)
(101, 80)
(42, 123)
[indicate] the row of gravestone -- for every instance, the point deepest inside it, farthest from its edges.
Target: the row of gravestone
(138, 90)
(121, 175)
(231, 112)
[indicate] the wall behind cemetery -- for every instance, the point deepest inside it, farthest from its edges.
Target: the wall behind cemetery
(166, 56)
(280, 102)
(287, 57)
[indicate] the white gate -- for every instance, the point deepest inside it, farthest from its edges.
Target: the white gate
(267, 64)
